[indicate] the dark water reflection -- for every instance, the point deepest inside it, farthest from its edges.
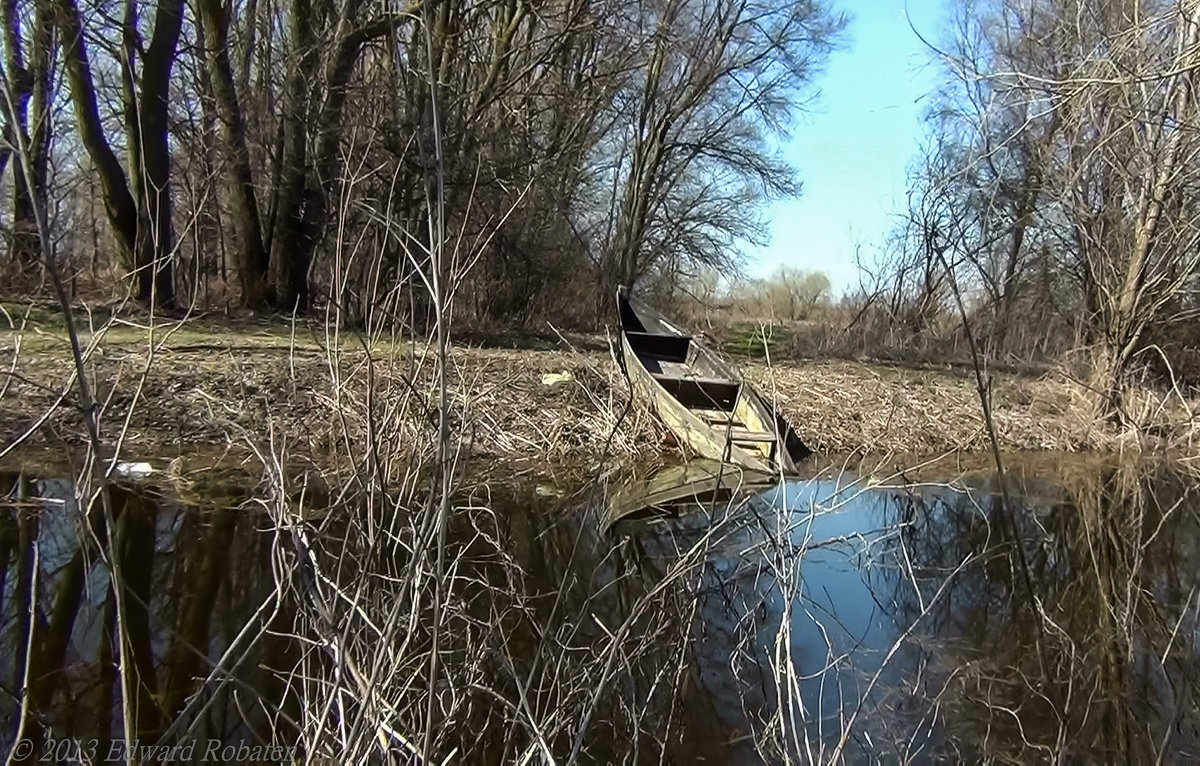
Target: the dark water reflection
(196, 582)
(817, 622)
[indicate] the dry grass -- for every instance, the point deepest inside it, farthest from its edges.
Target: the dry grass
(843, 406)
(556, 645)
(197, 395)
(204, 389)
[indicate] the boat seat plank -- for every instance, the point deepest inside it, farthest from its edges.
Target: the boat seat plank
(719, 417)
(707, 393)
(693, 378)
(700, 396)
(674, 369)
(742, 435)
(660, 346)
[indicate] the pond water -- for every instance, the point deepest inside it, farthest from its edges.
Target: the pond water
(820, 621)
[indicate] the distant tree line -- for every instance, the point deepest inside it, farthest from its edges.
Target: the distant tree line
(288, 152)
(789, 293)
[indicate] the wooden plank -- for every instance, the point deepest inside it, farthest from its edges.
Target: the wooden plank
(742, 435)
(675, 489)
(697, 393)
(657, 346)
(700, 437)
(696, 399)
(674, 369)
(719, 417)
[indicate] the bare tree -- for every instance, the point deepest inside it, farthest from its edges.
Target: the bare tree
(1068, 147)
(251, 252)
(585, 142)
(139, 202)
(717, 80)
(30, 65)
(1132, 162)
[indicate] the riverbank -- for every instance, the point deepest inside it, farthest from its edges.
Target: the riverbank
(205, 383)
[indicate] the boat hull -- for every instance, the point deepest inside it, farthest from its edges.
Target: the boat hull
(681, 421)
(679, 488)
(700, 397)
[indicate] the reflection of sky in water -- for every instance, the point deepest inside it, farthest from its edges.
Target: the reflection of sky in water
(829, 547)
(844, 574)
(58, 524)
(181, 548)
(60, 528)
(823, 569)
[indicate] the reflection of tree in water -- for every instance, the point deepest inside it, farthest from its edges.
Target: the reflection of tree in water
(191, 580)
(739, 635)
(778, 649)
(725, 610)
(551, 631)
(1102, 668)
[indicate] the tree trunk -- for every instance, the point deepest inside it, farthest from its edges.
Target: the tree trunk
(301, 209)
(122, 212)
(251, 254)
(1130, 310)
(156, 281)
(31, 92)
(134, 539)
(329, 135)
(141, 218)
(289, 276)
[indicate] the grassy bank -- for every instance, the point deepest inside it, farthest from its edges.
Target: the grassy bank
(211, 382)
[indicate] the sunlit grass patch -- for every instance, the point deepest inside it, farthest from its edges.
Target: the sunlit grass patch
(753, 340)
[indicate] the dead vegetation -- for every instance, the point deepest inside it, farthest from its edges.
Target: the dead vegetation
(187, 395)
(843, 406)
(564, 404)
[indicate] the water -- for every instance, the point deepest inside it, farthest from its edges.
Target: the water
(816, 622)
(195, 579)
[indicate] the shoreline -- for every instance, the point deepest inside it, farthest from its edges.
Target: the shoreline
(549, 404)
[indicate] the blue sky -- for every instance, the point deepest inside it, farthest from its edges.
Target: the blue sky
(855, 141)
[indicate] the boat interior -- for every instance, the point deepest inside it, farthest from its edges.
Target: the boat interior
(699, 381)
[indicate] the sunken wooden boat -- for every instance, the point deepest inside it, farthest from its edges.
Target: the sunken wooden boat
(700, 396)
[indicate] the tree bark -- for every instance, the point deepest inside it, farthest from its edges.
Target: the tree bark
(329, 136)
(251, 254)
(135, 543)
(156, 277)
(301, 209)
(118, 201)
(31, 92)
(1131, 310)
(289, 277)
(141, 215)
